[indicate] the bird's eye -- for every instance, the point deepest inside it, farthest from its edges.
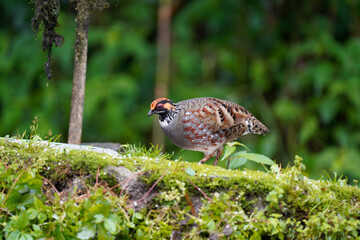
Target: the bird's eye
(159, 106)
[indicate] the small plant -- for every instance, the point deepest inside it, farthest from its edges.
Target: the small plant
(141, 151)
(33, 132)
(34, 135)
(335, 177)
(239, 158)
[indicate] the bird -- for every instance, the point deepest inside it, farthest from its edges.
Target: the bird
(205, 124)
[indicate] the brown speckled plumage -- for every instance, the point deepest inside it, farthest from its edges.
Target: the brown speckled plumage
(205, 124)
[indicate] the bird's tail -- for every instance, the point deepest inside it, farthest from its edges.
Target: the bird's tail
(254, 126)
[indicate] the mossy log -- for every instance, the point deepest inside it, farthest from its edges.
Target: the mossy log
(89, 193)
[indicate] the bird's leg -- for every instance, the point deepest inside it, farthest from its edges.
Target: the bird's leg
(207, 157)
(219, 152)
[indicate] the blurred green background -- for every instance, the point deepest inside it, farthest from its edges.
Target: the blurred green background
(295, 66)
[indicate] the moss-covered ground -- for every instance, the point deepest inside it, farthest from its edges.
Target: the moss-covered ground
(189, 201)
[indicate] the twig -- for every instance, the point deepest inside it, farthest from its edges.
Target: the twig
(87, 189)
(6, 210)
(127, 180)
(6, 167)
(97, 175)
(52, 186)
(138, 201)
(17, 179)
(199, 190)
(192, 209)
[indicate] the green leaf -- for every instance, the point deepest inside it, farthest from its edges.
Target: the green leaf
(42, 217)
(103, 234)
(130, 224)
(211, 225)
(131, 211)
(86, 232)
(228, 150)
(22, 221)
(32, 213)
(26, 236)
(255, 236)
(236, 143)
(139, 233)
(99, 218)
(110, 225)
(236, 162)
(14, 235)
(38, 204)
(59, 233)
(255, 158)
(190, 172)
(36, 227)
(139, 215)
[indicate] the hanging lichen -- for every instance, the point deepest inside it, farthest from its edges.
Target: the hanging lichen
(46, 13)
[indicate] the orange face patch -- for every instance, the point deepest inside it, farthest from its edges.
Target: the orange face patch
(169, 106)
(155, 102)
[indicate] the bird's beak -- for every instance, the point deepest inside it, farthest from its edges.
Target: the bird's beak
(151, 112)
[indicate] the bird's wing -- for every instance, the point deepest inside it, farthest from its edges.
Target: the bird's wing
(219, 114)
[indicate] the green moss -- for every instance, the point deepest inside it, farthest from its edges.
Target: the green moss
(278, 204)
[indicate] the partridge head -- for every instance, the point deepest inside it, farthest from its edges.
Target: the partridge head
(205, 124)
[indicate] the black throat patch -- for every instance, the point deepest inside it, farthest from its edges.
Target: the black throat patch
(168, 116)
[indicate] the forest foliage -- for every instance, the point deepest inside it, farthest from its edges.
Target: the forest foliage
(294, 66)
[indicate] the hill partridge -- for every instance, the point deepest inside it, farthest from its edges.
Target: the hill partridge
(205, 124)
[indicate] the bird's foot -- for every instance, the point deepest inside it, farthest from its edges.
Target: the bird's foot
(218, 153)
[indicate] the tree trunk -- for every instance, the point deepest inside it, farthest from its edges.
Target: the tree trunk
(163, 61)
(79, 76)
